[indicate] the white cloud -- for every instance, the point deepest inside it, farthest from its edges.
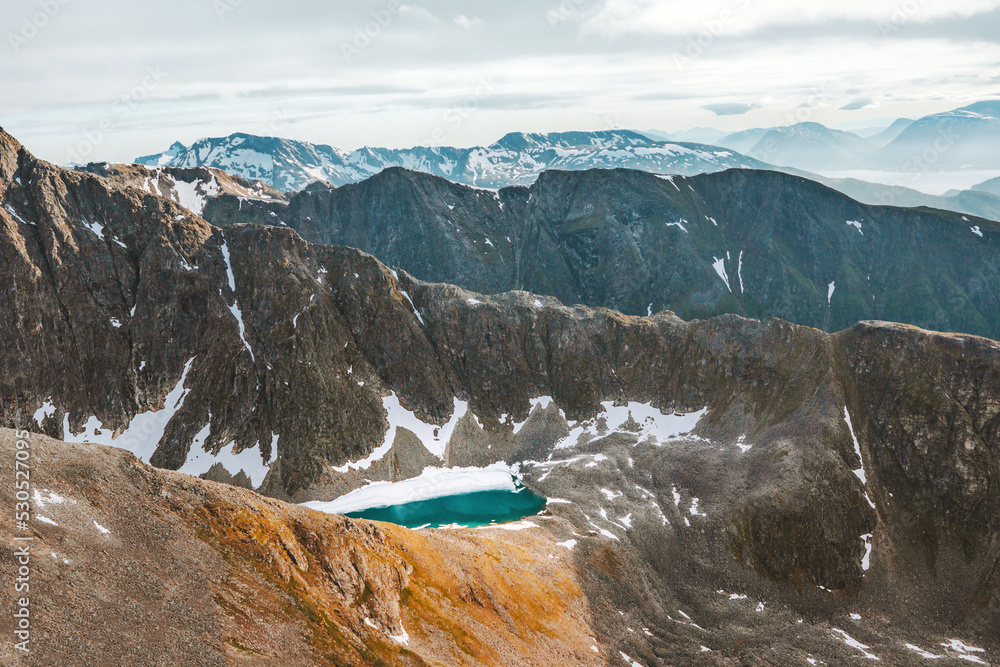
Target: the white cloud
(738, 17)
(466, 23)
(419, 13)
(289, 77)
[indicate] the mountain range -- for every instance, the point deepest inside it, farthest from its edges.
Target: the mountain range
(965, 138)
(719, 491)
(518, 159)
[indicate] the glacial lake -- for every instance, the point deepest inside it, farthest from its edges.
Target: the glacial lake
(468, 509)
(469, 497)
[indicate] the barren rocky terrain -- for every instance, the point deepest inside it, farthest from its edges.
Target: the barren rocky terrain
(723, 492)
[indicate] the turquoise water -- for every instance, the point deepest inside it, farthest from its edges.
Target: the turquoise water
(468, 509)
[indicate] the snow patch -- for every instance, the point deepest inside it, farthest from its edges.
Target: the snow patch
(434, 438)
(432, 483)
(250, 461)
(720, 268)
(651, 422)
(680, 224)
(96, 228)
(52, 498)
(853, 643)
(238, 314)
(862, 475)
(144, 432)
(229, 265)
(866, 560)
(739, 273)
(415, 311)
(44, 412)
(402, 638)
(922, 653)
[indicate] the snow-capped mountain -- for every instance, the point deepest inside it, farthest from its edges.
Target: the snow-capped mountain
(517, 159)
(966, 138)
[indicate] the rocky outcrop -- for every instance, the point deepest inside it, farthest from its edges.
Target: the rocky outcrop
(193, 188)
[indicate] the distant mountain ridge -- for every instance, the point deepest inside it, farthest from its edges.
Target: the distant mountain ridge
(519, 158)
(805, 145)
(516, 159)
(966, 138)
(756, 243)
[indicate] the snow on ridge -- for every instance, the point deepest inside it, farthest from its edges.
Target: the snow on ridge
(194, 195)
(670, 178)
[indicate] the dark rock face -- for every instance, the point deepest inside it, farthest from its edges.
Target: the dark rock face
(759, 244)
(252, 337)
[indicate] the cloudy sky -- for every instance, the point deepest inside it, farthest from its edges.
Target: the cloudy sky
(114, 79)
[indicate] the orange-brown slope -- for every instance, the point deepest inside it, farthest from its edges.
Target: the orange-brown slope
(133, 565)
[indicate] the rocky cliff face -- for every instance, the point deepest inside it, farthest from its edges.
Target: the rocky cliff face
(818, 475)
(759, 244)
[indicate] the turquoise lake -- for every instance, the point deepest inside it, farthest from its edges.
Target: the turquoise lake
(481, 508)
